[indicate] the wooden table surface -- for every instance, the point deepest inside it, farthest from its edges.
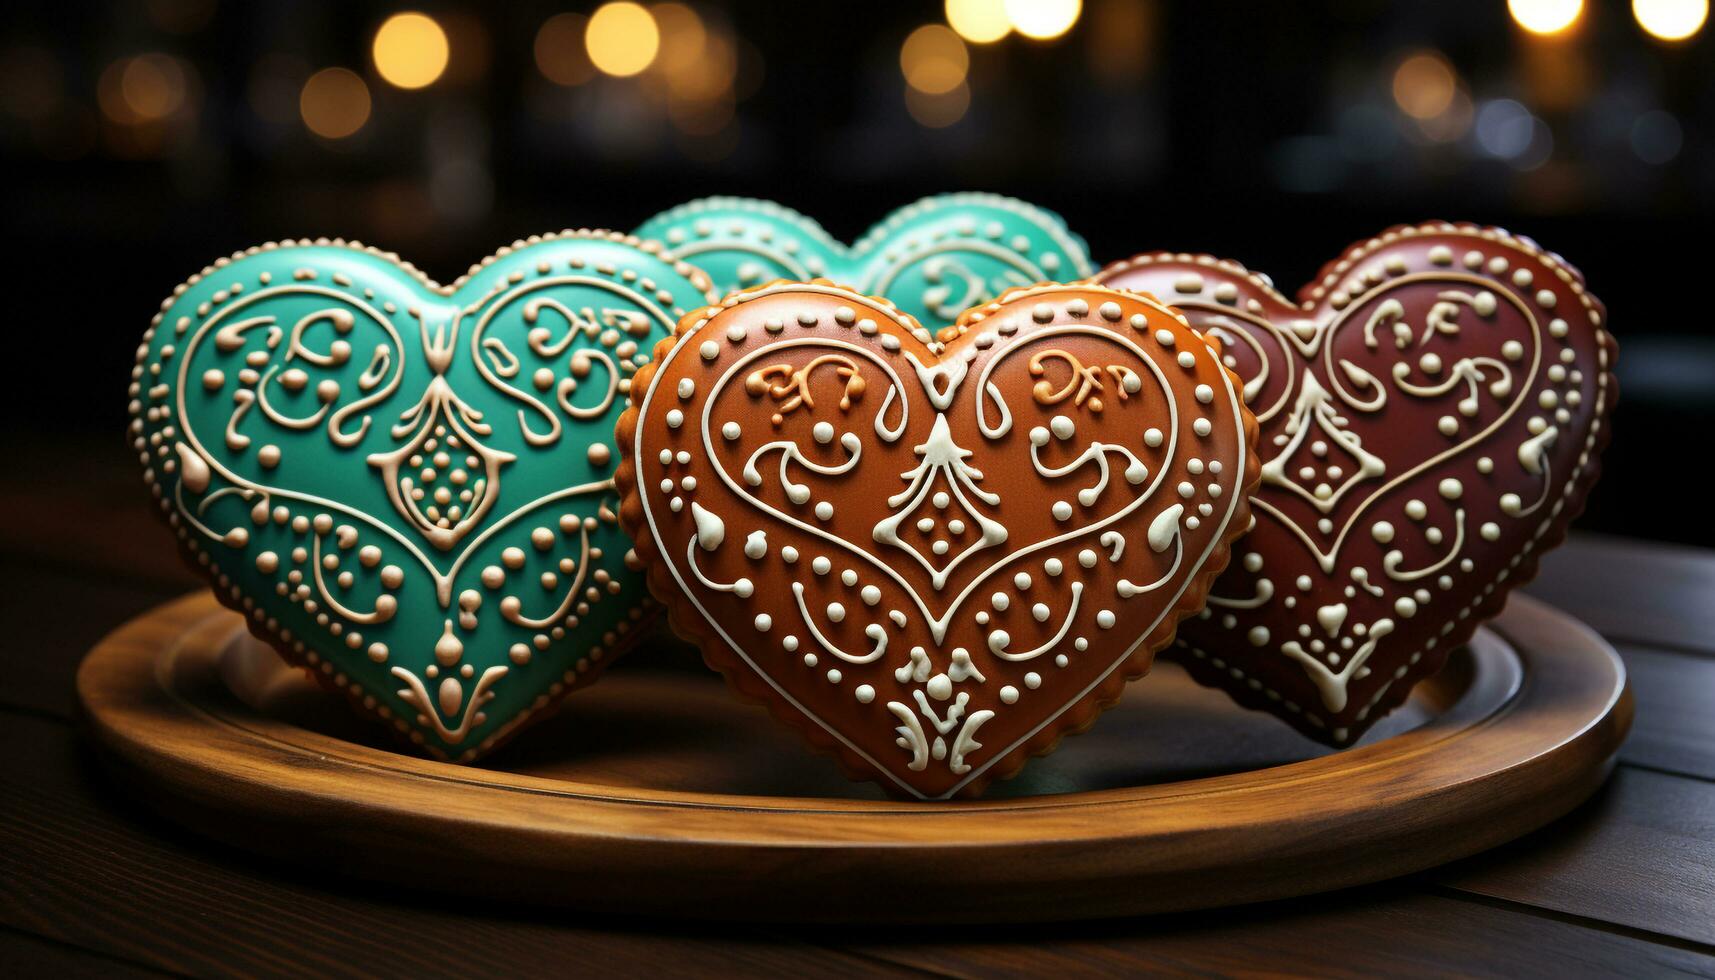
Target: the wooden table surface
(89, 882)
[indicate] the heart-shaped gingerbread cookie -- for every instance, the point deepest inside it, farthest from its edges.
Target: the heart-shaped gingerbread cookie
(933, 259)
(1432, 412)
(934, 557)
(407, 488)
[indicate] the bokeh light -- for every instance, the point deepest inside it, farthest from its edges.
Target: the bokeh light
(1043, 20)
(144, 89)
(1424, 85)
(682, 35)
(1656, 137)
(1452, 123)
(1671, 20)
(622, 38)
(1546, 17)
(979, 21)
(410, 50)
(933, 60)
(559, 50)
(334, 103)
(938, 110)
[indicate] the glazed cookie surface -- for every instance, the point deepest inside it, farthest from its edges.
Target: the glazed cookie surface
(933, 259)
(1432, 411)
(407, 488)
(934, 558)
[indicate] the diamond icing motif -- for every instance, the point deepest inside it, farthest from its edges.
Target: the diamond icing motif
(407, 488)
(1432, 414)
(933, 558)
(933, 259)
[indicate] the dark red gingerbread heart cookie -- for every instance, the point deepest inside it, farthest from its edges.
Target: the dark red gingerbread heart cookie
(934, 557)
(1431, 415)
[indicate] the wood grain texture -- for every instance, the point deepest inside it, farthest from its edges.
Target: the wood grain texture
(1495, 760)
(1640, 854)
(91, 876)
(1644, 592)
(1675, 725)
(144, 892)
(1383, 931)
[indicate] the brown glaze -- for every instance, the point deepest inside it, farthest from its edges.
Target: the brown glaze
(1432, 412)
(881, 535)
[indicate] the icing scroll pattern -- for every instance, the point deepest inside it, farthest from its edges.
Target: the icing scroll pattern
(404, 487)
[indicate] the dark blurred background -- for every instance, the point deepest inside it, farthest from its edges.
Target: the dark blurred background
(144, 138)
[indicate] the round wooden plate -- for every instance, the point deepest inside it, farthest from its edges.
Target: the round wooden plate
(656, 792)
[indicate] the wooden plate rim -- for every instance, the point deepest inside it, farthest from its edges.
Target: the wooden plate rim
(1543, 738)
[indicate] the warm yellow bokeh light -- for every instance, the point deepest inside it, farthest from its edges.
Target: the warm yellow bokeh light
(979, 21)
(622, 38)
(334, 103)
(559, 50)
(1545, 16)
(410, 50)
(933, 60)
(1671, 20)
(938, 111)
(1423, 85)
(153, 86)
(1043, 19)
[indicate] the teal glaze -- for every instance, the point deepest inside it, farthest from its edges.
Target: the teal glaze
(406, 488)
(932, 259)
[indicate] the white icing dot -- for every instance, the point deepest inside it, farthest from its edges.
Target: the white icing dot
(1021, 580)
(1187, 360)
(836, 612)
(1258, 636)
(823, 432)
(1033, 680)
(1009, 695)
(675, 418)
(710, 350)
(1205, 394)
(1105, 619)
(1202, 427)
(687, 387)
(1164, 337)
(1451, 488)
(764, 622)
(824, 510)
(1152, 438)
(864, 693)
(1053, 566)
(1382, 531)
(870, 595)
(1490, 531)
(731, 430)
(1061, 510)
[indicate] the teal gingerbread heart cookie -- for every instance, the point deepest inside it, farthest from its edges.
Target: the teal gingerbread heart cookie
(406, 488)
(933, 259)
